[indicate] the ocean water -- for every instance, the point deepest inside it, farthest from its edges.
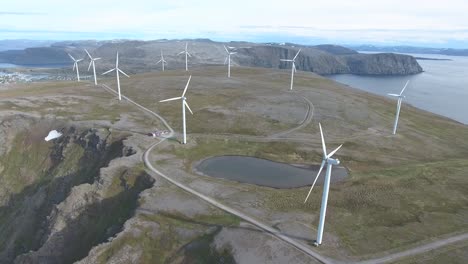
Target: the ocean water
(441, 89)
(7, 65)
(49, 66)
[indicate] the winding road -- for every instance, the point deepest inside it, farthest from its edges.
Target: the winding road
(298, 245)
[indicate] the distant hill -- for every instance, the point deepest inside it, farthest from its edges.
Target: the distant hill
(141, 56)
(409, 49)
(336, 50)
(20, 44)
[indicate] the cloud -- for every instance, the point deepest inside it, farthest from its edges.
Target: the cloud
(21, 14)
(336, 21)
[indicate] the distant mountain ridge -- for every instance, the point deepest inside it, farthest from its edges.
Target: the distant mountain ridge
(20, 44)
(410, 49)
(140, 56)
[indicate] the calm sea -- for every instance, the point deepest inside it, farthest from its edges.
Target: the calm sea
(442, 88)
(49, 66)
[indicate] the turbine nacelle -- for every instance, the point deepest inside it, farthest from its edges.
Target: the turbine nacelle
(333, 161)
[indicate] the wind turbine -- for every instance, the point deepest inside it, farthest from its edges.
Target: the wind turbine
(117, 70)
(293, 68)
(184, 104)
(75, 65)
(400, 99)
(327, 159)
(94, 65)
(186, 54)
(228, 59)
(162, 61)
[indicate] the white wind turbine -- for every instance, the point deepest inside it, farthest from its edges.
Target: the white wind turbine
(94, 65)
(117, 70)
(228, 60)
(293, 68)
(400, 99)
(162, 61)
(327, 158)
(186, 54)
(75, 65)
(184, 104)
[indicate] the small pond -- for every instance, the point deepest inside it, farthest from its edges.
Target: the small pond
(264, 172)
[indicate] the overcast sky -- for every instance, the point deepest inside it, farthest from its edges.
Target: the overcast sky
(440, 23)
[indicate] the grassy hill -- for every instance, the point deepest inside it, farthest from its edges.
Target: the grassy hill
(402, 190)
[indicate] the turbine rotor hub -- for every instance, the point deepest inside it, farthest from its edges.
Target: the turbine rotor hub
(333, 161)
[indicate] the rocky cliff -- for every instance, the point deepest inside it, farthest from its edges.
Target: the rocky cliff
(322, 62)
(60, 199)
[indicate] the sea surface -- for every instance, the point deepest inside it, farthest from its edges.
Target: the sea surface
(49, 66)
(441, 89)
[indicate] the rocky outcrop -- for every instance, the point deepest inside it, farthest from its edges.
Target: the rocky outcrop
(321, 62)
(80, 190)
(381, 64)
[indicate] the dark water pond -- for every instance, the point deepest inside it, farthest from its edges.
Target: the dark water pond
(265, 172)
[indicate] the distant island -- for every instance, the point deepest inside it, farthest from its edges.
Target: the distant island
(410, 49)
(433, 59)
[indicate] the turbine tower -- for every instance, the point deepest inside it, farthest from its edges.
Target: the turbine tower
(94, 65)
(117, 70)
(75, 65)
(327, 159)
(184, 104)
(228, 59)
(293, 68)
(187, 54)
(162, 61)
(400, 99)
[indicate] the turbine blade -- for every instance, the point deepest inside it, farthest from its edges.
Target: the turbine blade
(225, 60)
(189, 54)
(294, 67)
(71, 57)
(334, 151)
(90, 63)
(392, 94)
(74, 65)
(186, 44)
(181, 52)
(79, 60)
(186, 86)
(171, 99)
(96, 59)
(188, 107)
(226, 49)
(89, 55)
(324, 147)
(108, 71)
(123, 73)
(297, 54)
(158, 61)
(407, 82)
(232, 53)
(285, 60)
(316, 177)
